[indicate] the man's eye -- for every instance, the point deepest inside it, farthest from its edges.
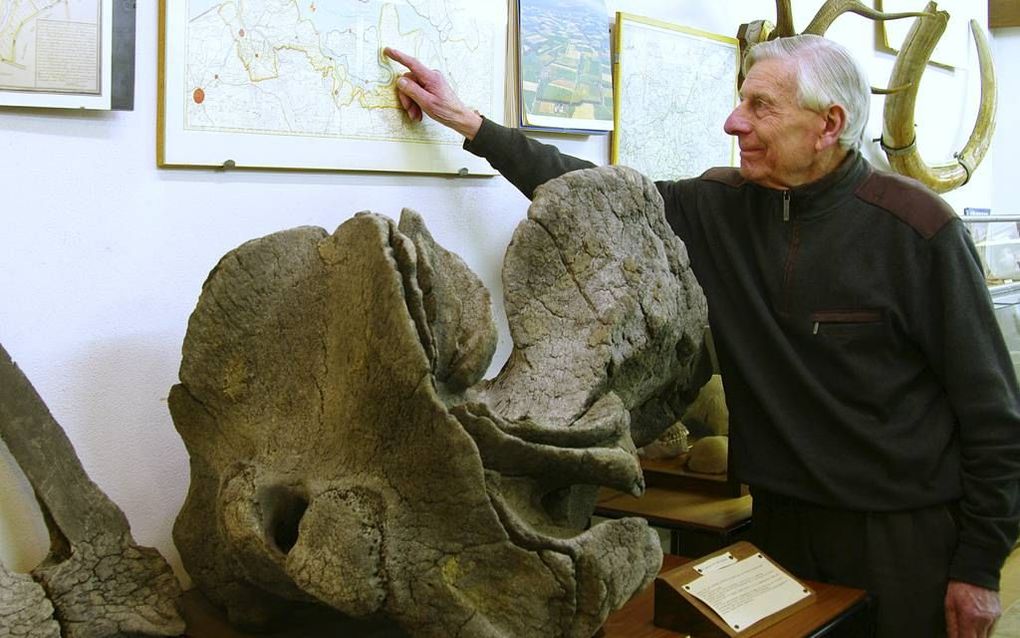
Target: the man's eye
(760, 106)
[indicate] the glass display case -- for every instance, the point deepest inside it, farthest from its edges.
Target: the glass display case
(1006, 299)
(997, 238)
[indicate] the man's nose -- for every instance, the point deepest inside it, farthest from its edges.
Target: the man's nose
(736, 123)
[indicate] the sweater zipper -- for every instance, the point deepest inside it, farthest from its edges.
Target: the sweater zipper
(791, 253)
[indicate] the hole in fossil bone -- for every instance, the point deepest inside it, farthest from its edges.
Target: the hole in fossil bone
(557, 505)
(60, 546)
(283, 507)
(686, 348)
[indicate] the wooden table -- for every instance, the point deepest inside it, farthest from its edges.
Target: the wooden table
(833, 606)
(698, 523)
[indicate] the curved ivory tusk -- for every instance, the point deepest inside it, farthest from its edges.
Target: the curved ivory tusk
(898, 135)
(832, 9)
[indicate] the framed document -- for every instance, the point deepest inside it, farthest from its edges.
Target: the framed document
(74, 54)
(305, 85)
(674, 87)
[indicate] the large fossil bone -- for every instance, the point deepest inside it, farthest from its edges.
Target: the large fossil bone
(25, 612)
(97, 582)
(346, 455)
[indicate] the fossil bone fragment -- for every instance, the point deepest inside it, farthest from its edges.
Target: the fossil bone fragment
(346, 453)
(100, 583)
(25, 612)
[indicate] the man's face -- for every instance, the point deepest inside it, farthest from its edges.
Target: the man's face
(779, 139)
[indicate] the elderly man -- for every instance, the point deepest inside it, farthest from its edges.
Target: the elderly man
(873, 406)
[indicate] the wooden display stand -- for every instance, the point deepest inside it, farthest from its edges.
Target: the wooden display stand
(671, 474)
(698, 523)
(679, 610)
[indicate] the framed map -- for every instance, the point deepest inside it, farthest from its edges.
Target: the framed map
(304, 84)
(674, 87)
(66, 54)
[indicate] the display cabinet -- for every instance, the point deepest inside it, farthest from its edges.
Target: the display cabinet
(997, 238)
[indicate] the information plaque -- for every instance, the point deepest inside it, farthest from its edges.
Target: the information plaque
(735, 592)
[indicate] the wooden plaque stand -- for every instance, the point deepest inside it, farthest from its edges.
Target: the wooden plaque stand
(678, 610)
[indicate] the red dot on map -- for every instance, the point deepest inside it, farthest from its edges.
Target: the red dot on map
(241, 33)
(198, 95)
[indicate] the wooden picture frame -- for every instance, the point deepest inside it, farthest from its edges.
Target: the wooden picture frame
(78, 57)
(1003, 14)
(672, 139)
(955, 30)
(311, 89)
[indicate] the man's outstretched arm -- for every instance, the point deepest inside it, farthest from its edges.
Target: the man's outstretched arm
(425, 90)
(525, 162)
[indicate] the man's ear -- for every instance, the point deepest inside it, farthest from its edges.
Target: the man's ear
(835, 122)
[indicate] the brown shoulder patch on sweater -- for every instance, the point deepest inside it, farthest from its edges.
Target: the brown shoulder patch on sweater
(911, 201)
(723, 175)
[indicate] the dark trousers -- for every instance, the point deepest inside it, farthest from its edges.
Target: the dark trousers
(900, 558)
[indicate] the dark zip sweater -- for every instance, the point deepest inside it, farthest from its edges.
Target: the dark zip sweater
(862, 362)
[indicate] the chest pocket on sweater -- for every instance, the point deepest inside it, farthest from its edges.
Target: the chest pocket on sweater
(858, 324)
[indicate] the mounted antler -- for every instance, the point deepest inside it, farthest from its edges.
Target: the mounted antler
(899, 140)
(898, 136)
(761, 30)
(827, 14)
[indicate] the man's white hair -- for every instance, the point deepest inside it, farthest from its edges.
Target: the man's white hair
(827, 74)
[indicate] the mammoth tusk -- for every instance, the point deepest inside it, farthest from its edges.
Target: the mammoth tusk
(898, 135)
(981, 135)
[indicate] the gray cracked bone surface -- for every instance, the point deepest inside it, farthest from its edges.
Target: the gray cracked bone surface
(25, 612)
(345, 452)
(600, 298)
(97, 582)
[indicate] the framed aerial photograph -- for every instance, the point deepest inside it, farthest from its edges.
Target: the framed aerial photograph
(564, 66)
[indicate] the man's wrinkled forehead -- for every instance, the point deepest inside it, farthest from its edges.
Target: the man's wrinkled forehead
(770, 79)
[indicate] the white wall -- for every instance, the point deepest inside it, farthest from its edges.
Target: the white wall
(1005, 182)
(102, 256)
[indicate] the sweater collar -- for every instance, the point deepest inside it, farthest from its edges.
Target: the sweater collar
(830, 190)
